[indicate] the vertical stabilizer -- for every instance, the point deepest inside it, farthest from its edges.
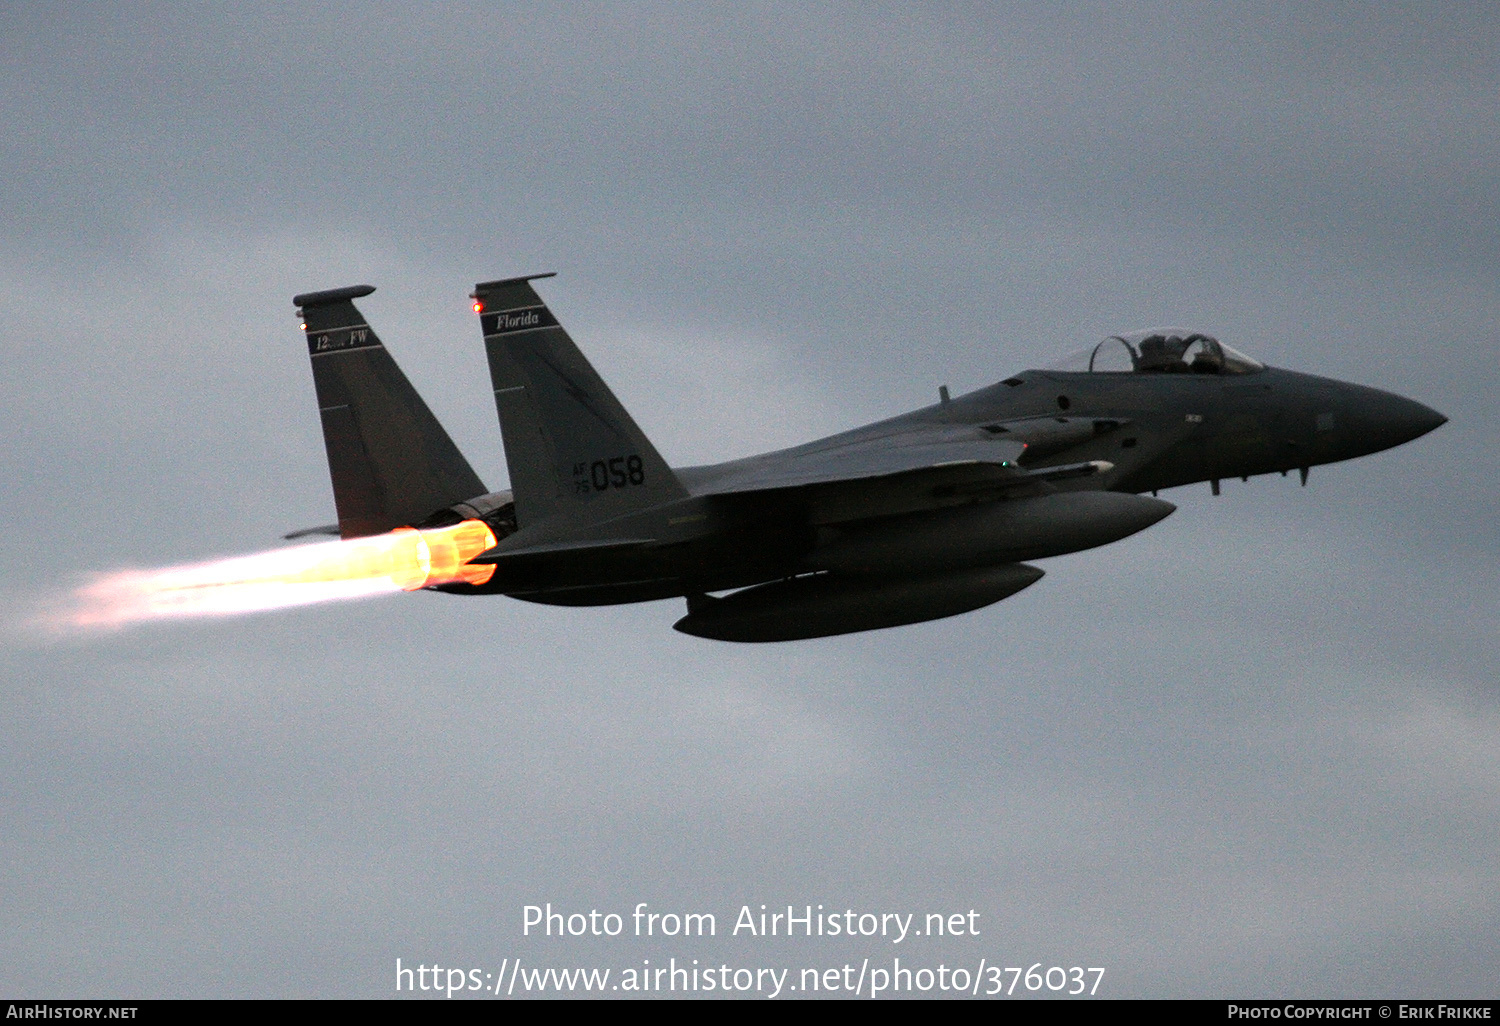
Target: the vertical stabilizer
(573, 451)
(391, 462)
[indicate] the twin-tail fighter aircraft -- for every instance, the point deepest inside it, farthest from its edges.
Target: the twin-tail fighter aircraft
(926, 515)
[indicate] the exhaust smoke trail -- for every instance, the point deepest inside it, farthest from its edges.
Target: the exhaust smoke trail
(403, 560)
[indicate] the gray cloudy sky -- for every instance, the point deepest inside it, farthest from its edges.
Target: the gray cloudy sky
(1250, 751)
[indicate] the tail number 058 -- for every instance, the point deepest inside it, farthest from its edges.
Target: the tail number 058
(602, 475)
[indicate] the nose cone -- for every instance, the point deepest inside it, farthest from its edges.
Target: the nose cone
(1417, 420)
(1385, 420)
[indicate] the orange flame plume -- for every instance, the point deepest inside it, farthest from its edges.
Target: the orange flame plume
(406, 559)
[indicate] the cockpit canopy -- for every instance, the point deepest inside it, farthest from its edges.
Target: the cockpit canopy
(1160, 351)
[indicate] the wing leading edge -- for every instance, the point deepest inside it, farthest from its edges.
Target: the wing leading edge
(840, 461)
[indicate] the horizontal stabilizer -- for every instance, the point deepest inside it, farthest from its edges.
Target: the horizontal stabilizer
(307, 532)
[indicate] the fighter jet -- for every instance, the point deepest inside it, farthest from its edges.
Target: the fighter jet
(926, 515)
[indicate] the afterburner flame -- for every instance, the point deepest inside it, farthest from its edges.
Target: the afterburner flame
(403, 560)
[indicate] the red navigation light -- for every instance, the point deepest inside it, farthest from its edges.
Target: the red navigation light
(478, 307)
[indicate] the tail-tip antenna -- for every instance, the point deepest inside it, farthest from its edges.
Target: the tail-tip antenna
(330, 296)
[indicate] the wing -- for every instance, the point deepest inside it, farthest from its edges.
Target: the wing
(868, 459)
(866, 474)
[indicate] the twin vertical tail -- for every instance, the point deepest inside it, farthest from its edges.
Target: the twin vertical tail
(391, 462)
(576, 458)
